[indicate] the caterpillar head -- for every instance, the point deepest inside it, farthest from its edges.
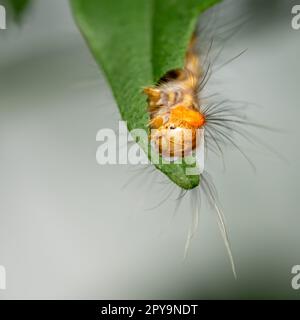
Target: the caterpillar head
(176, 136)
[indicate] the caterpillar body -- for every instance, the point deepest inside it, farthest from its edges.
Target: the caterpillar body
(174, 109)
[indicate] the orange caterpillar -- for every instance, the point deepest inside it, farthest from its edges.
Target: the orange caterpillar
(173, 105)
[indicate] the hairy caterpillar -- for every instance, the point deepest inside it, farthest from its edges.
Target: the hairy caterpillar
(174, 107)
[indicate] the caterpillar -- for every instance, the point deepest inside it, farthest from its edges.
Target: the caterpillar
(174, 107)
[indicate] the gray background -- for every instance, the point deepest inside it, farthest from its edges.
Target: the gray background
(68, 226)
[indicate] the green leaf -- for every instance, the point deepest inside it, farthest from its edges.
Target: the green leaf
(18, 7)
(136, 42)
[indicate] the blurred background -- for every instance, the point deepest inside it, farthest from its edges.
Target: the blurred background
(72, 229)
